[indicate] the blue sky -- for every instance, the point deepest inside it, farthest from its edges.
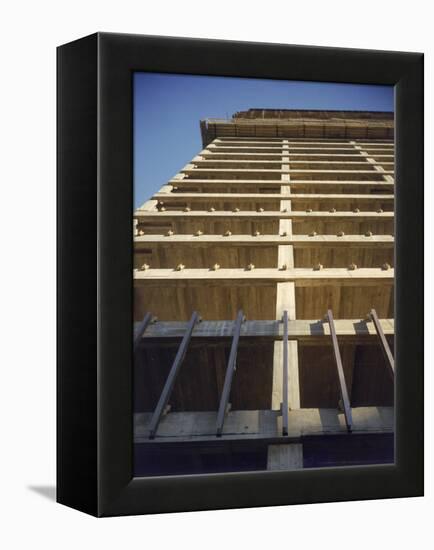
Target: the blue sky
(168, 108)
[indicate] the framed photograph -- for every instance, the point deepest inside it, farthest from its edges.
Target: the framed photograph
(240, 274)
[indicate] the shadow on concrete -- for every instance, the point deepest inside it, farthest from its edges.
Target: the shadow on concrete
(361, 327)
(317, 328)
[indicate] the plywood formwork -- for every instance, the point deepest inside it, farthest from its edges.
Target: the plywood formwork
(282, 211)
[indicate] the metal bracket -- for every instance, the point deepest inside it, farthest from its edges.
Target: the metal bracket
(383, 342)
(170, 381)
(231, 367)
(141, 329)
(343, 386)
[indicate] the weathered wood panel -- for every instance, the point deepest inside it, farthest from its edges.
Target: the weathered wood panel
(346, 302)
(212, 300)
(200, 380)
(205, 256)
(344, 256)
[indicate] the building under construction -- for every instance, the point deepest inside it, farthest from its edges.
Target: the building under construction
(264, 298)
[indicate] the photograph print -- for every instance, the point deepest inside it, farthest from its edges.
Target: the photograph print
(263, 275)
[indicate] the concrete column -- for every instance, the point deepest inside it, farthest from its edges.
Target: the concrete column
(285, 457)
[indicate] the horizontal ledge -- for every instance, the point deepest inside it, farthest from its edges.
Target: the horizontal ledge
(294, 135)
(263, 424)
(273, 214)
(259, 123)
(291, 183)
(298, 241)
(215, 154)
(269, 196)
(207, 161)
(301, 276)
(280, 171)
(297, 329)
(298, 146)
(350, 142)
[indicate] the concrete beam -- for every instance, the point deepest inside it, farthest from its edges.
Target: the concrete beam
(285, 457)
(270, 214)
(210, 163)
(278, 140)
(301, 276)
(215, 154)
(263, 424)
(297, 241)
(294, 171)
(311, 329)
(293, 376)
(380, 182)
(230, 147)
(200, 197)
(285, 301)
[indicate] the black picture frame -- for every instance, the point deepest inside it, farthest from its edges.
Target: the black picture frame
(95, 205)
